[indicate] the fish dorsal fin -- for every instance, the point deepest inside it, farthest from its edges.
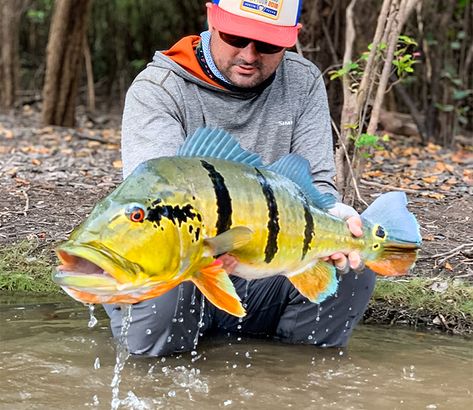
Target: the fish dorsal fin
(297, 169)
(217, 143)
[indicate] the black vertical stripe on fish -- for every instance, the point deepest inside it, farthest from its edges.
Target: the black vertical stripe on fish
(273, 218)
(224, 201)
(309, 226)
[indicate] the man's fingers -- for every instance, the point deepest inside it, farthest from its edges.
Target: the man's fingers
(229, 263)
(354, 260)
(354, 224)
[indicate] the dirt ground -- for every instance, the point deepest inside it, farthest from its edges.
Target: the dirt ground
(50, 178)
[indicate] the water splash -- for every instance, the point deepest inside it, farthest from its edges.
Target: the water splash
(200, 324)
(122, 356)
(92, 319)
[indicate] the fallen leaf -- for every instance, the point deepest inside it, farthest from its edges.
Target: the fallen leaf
(445, 187)
(36, 162)
(428, 237)
(431, 179)
(435, 195)
(462, 157)
(117, 164)
(448, 266)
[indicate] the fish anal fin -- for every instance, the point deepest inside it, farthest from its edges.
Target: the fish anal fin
(215, 284)
(234, 238)
(317, 283)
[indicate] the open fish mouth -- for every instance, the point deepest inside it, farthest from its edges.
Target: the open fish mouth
(78, 272)
(92, 273)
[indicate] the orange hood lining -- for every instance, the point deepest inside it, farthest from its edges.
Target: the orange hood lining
(183, 53)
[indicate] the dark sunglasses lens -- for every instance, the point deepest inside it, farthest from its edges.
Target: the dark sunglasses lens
(242, 42)
(235, 41)
(267, 48)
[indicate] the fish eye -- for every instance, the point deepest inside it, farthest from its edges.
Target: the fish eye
(136, 213)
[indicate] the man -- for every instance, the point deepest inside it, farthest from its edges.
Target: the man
(238, 76)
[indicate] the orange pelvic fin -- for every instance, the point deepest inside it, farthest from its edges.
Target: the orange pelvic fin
(213, 281)
(317, 283)
(394, 260)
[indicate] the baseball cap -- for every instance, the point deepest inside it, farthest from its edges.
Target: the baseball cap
(271, 21)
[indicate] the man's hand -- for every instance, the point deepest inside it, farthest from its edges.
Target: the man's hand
(353, 260)
(229, 263)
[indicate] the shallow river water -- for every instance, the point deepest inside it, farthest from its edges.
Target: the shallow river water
(50, 359)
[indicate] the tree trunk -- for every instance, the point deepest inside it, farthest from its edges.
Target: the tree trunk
(10, 14)
(63, 61)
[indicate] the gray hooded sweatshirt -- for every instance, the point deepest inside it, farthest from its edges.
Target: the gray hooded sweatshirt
(166, 103)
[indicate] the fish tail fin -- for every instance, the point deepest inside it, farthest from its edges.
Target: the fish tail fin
(395, 235)
(215, 284)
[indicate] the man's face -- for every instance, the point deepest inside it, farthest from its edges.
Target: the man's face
(245, 67)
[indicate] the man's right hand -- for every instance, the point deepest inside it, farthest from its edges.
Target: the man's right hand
(229, 262)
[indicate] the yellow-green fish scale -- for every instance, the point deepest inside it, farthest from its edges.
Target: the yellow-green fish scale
(229, 194)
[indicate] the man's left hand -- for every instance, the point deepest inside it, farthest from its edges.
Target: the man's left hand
(343, 262)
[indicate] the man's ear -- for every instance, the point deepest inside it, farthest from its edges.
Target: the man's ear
(209, 23)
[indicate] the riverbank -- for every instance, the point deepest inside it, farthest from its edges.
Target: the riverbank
(53, 176)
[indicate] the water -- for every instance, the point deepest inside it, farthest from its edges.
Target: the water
(50, 359)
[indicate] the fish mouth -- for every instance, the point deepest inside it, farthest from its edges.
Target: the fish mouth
(92, 273)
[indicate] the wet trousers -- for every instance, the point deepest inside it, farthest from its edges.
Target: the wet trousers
(173, 322)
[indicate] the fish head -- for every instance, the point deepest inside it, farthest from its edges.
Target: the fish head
(135, 239)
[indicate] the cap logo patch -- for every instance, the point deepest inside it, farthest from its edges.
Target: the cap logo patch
(265, 8)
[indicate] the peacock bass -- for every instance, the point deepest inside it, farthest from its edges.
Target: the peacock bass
(173, 216)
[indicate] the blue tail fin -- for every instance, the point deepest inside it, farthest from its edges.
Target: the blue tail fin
(389, 210)
(395, 233)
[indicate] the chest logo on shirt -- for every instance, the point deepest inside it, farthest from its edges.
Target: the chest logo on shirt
(265, 8)
(285, 123)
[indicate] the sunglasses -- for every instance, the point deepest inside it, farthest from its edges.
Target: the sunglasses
(242, 42)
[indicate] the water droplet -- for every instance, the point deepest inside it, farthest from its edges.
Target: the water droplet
(227, 402)
(172, 393)
(169, 339)
(148, 331)
(239, 327)
(92, 319)
(97, 363)
(180, 320)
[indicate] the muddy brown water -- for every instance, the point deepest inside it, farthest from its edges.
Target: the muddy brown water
(50, 359)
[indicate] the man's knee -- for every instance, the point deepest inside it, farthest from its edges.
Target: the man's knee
(331, 322)
(163, 325)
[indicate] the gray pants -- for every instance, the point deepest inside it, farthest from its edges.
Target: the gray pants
(172, 323)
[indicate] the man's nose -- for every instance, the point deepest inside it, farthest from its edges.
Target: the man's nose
(249, 53)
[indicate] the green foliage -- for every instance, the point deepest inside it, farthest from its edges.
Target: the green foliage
(416, 295)
(368, 142)
(347, 68)
(25, 268)
(403, 61)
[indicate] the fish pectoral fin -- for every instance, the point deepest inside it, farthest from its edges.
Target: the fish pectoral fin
(215, 284)
(229, 240)
(317, 283)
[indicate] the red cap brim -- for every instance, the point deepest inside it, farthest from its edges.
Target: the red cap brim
(283, 36)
